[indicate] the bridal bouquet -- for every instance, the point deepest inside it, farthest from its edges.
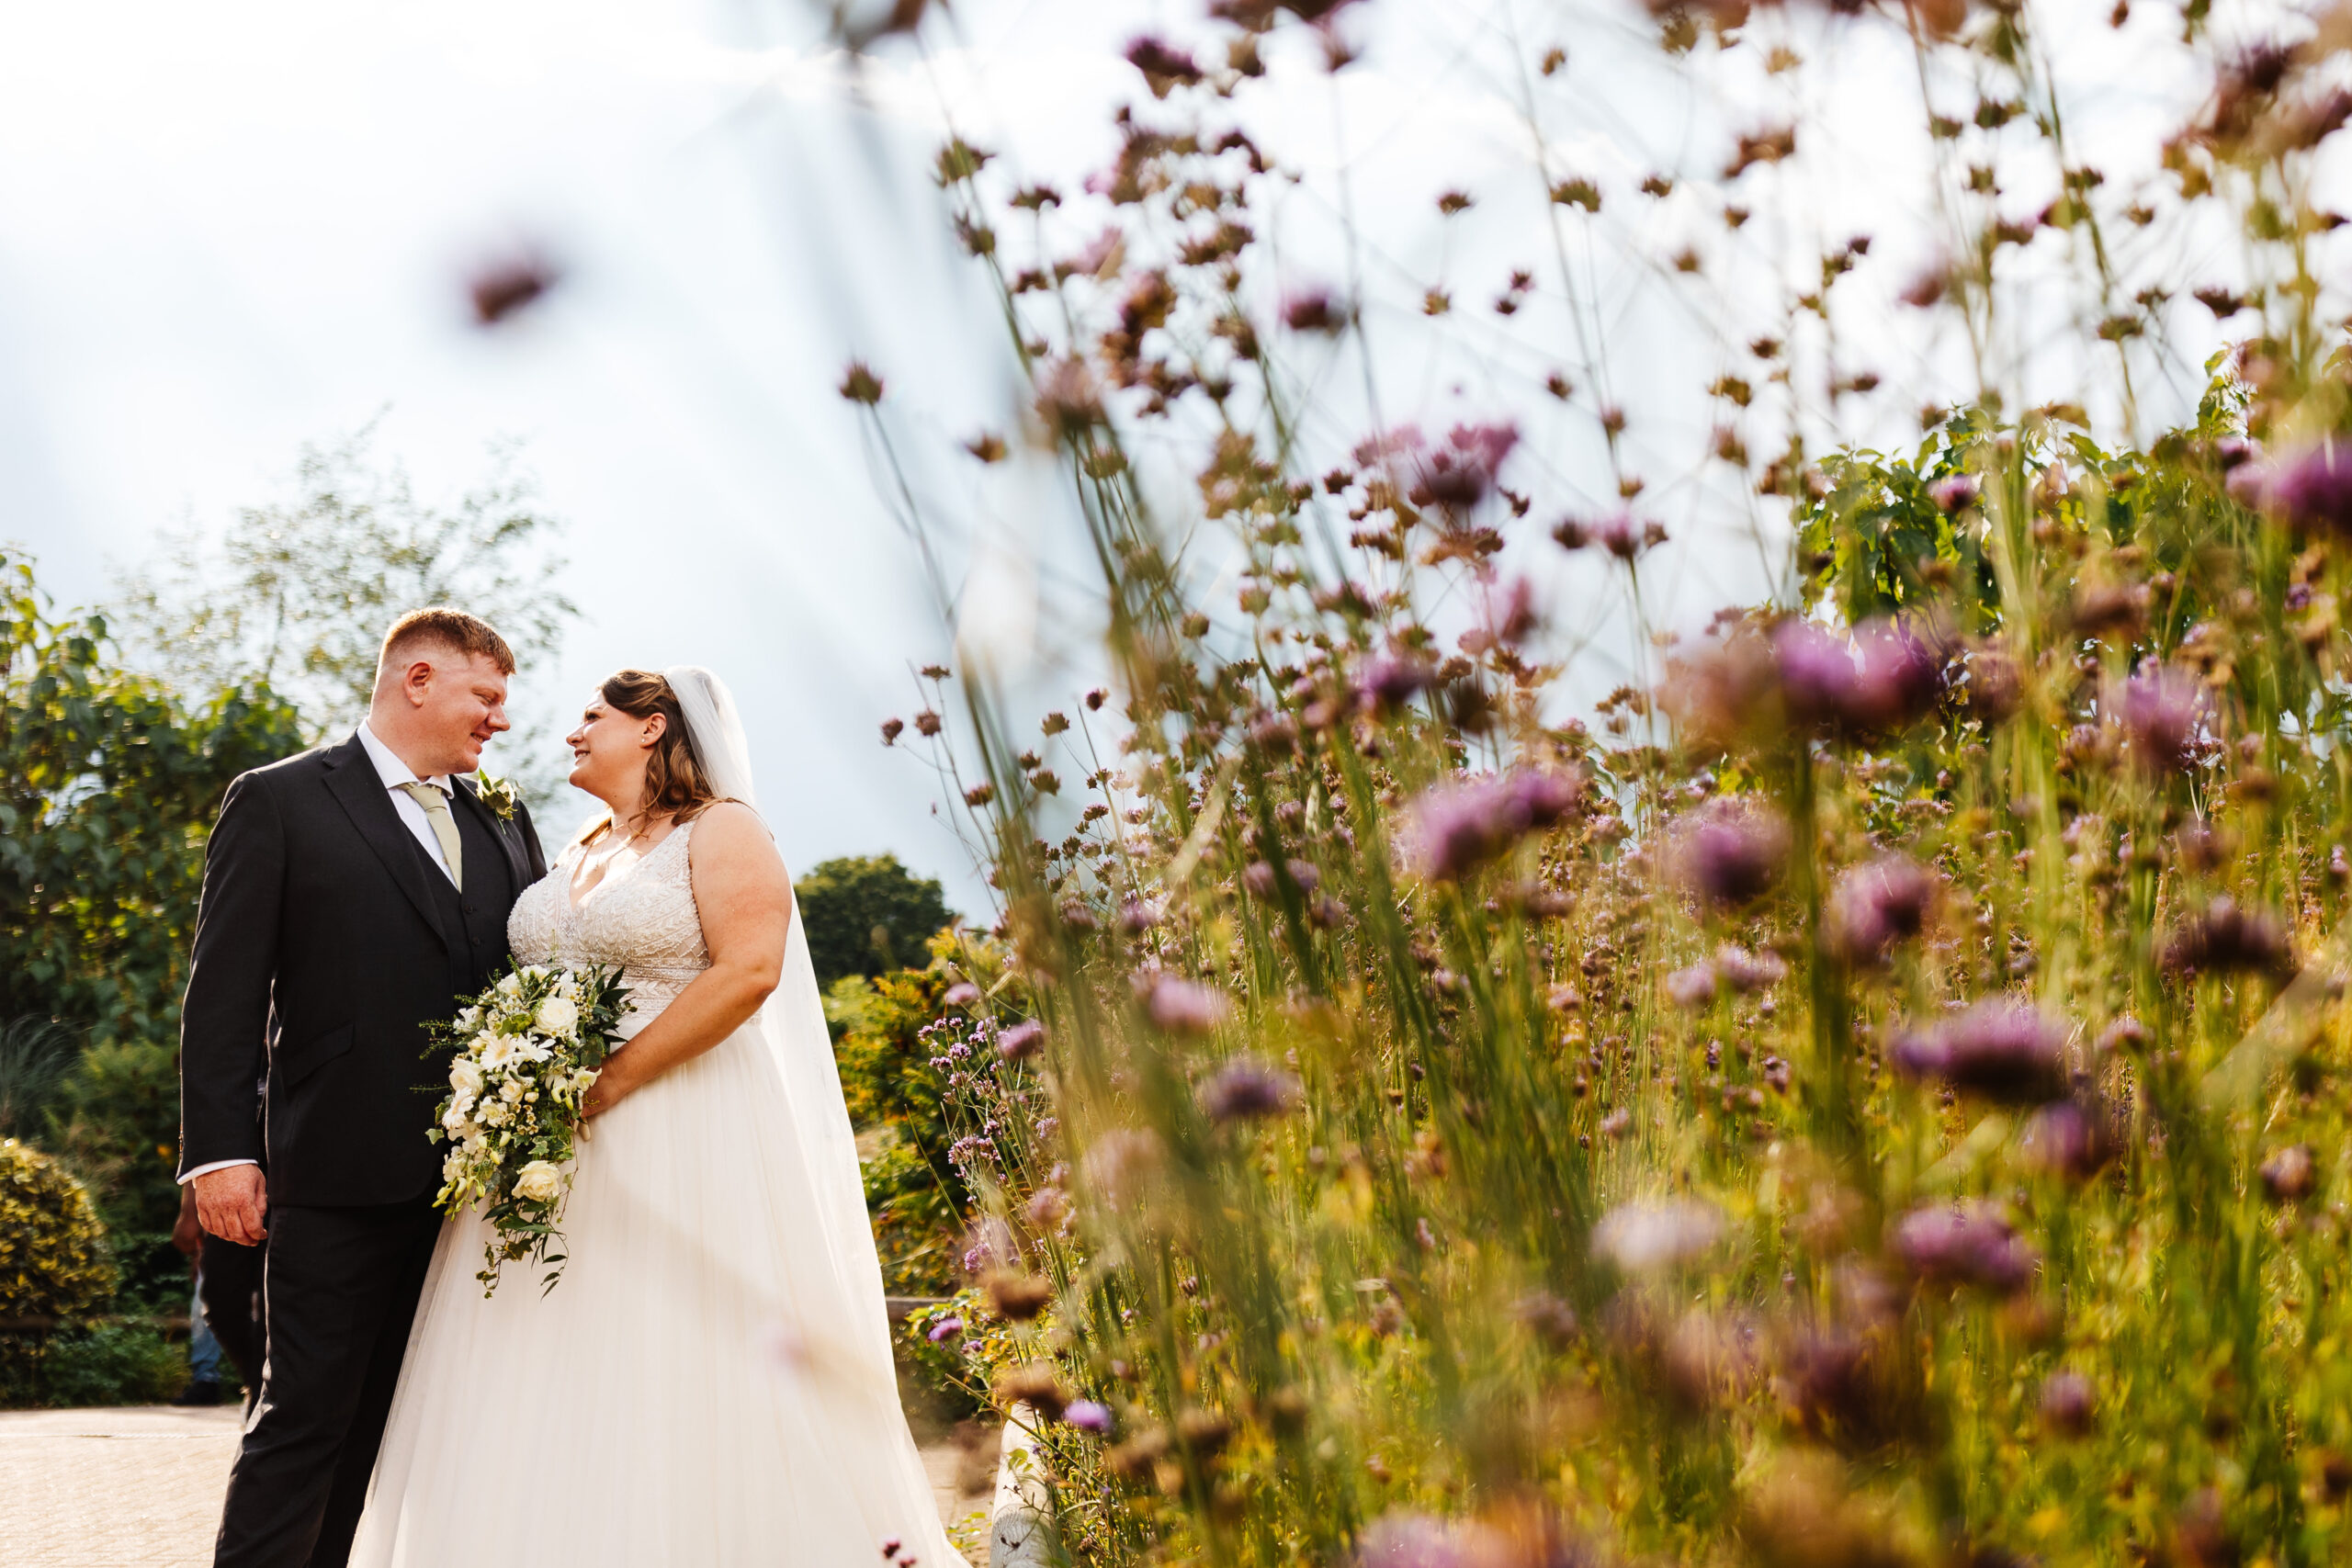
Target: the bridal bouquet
(525, 1053)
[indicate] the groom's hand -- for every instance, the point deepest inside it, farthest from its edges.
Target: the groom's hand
(234, 1203)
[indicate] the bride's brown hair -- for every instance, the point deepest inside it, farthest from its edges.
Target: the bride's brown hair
(676, 783)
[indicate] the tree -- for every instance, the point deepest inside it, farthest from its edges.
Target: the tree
(296, 595)
(868, 914)
(108, 784)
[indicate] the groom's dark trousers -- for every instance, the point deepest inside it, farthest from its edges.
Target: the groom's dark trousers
(326, 930)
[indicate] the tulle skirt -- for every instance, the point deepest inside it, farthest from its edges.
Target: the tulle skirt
(696, 1389)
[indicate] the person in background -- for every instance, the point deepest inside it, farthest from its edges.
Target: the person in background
(230, 1316)
(203, 1350)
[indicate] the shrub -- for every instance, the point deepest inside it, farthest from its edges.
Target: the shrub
(111, 1364)
(53, 1260)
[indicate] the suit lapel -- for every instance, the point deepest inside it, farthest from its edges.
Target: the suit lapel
(352, 780)
(499, 829)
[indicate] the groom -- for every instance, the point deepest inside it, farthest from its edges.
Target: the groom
(352, 895)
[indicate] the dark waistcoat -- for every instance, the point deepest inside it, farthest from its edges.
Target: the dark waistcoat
(473, 922)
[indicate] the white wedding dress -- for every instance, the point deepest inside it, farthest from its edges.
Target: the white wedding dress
(710, 1385)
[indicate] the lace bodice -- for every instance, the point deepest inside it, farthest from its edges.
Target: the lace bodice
(642, 918)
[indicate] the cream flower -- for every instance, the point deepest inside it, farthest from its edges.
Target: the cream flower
(496, 1113)
(538, 1182)
(558, 1015)
(512, 1090)
(465, 1079)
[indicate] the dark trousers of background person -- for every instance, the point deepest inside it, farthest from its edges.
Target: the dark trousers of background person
(341, 1287)
(229, 1294)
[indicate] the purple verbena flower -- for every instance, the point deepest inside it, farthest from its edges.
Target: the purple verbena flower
(1023, 1040)
(1391, 680)
(2164, 711)
(961, 994)
(2290, 1174)
(1877, 904)
(1694, 987)
(2068, 1138)
(1314, 310)
(1967, 1244)
(1897, 678)
(2313, 488)
(1954, 491)
(1744, 971)
(1731, 853)
(2002, 1049)
(1183, 1007)
(1245, 1088)
(946, 1328)
(1818, 679)
(1087, 1416)
(2225, 939)
(2066, 1404)
(1456, 827)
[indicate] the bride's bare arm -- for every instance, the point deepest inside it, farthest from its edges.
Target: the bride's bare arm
(746, 904)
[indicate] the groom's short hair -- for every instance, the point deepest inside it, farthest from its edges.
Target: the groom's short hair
(441, 626)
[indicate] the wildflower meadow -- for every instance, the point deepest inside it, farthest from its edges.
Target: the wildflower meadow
(1860, 1081)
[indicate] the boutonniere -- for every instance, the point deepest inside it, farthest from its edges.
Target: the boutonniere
(496, 794)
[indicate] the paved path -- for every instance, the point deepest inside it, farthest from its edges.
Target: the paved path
(141, 1488)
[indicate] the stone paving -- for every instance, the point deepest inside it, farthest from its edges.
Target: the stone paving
(141, 1488)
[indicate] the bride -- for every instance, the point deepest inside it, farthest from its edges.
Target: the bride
(710, 1383)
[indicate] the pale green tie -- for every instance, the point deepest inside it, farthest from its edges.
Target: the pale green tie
(445, 826)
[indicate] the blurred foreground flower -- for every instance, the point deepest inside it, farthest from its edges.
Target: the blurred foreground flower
(2002, 1049)
(2313, 488)
(1877, 904)
(1731, 853)
(1182, 1007)
(2163, 711)
(2226, 939)
(503, 287)
(1968, 1244)
(1246, 1089)
(1640, 1238)
(1455, 828)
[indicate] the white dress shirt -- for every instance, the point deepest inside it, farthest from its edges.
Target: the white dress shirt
(394, 773)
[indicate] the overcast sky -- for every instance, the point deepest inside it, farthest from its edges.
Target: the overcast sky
(230, 229)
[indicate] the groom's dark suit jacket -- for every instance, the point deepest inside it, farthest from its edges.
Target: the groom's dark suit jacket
(329, 938)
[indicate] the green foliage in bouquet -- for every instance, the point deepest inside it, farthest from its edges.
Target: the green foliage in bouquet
(1877, 1094)
(523, 1058)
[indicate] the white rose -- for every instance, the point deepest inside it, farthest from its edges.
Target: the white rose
(512, 1090)
(466, 1079)
(510, 986)
(558, 1015)
(538, 1182)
